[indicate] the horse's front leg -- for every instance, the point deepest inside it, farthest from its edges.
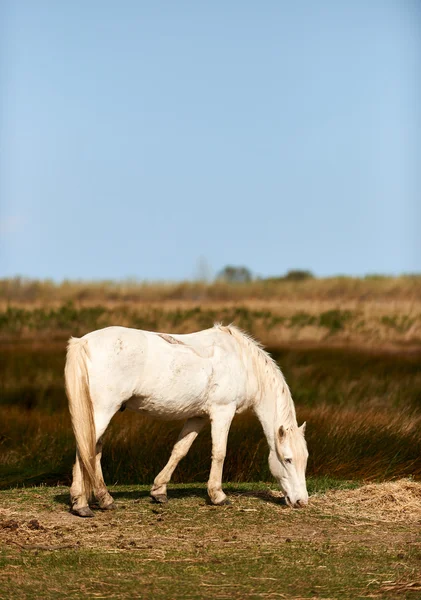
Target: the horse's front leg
(221, 418)
(191, 429)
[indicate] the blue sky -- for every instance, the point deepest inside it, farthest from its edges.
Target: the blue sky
(137, 137)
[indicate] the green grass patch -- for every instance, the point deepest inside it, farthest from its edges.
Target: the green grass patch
(187, 549)
(291, 570)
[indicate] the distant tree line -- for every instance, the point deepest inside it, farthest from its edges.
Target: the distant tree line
(241, 274)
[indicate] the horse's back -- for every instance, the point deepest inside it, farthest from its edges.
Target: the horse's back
(166, 375)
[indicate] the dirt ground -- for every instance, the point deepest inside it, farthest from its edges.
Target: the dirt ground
(359, 543)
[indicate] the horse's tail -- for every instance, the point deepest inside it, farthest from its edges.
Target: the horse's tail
(81, 409)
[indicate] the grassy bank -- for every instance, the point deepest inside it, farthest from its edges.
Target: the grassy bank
(372, 311)
(370, 325)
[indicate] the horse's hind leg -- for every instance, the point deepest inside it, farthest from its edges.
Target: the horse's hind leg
(102, 419)
(105, 500)
(192, 427)
(78, 499)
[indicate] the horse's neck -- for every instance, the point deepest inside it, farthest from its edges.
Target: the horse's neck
(273, 404)
(271, 413)
(275, 408)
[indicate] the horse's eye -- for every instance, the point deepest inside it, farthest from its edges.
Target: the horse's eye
(288, 460)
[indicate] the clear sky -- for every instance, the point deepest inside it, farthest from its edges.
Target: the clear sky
(137, 137)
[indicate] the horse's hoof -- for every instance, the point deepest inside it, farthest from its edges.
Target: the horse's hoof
(85, 511)
(111, 506)
(160, 498)
(224, 502)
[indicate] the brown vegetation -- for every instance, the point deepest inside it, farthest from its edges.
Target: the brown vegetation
(362, 409)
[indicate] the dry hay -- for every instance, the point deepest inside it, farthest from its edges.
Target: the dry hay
(390, 501)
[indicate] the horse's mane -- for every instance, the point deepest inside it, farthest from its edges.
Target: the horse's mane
(269, 373)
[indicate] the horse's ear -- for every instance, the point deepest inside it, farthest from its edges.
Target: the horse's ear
(281, 432)
(303, 428)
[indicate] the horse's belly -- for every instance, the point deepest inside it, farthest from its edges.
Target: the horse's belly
(167, 408)
(174, 393)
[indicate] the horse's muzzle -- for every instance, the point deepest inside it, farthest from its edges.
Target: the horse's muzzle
(300, 503)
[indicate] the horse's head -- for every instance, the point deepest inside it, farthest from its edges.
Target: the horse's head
(288, 464)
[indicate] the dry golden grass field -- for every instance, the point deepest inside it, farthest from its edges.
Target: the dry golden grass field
(375, 312)
(350, 350)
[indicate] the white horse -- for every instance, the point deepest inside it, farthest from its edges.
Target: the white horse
(208, 375)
